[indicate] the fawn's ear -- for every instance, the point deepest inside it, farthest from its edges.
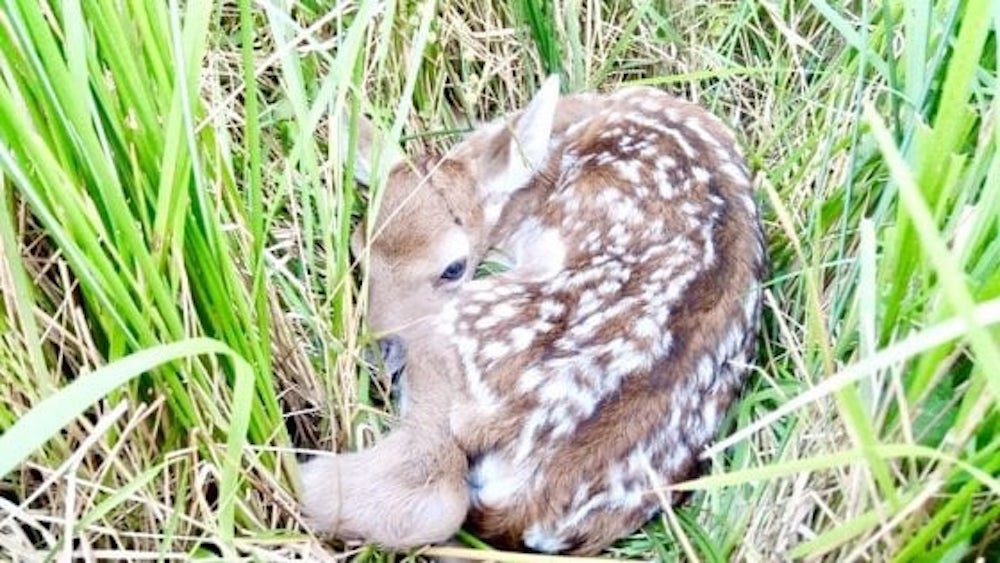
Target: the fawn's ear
(371, 150)
(512, 153)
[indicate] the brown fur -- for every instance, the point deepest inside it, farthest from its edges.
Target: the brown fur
(553, 379)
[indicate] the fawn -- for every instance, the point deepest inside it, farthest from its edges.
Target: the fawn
(547, 407)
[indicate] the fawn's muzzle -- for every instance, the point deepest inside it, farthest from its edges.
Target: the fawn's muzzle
(392, 350)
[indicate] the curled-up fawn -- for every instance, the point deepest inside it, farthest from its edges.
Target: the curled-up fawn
(547, 407)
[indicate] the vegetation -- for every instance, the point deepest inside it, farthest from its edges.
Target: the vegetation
(178, 309)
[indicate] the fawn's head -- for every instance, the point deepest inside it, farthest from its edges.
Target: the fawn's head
(436, 212)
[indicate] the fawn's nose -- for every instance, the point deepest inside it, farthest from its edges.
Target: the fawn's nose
(393, 352)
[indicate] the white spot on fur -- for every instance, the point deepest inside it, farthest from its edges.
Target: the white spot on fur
(526, 440)
(497, 479)
(695, 125)
(521, 338)
(529, 380)
(614, 131)
(574, 130)
(700, 174)
(559, 388)
(680, 139)
(734, 172)
(551, 309)
(665, 162)
(503, 310)
(565, 422)
(483, 395)
(627, 360)
(731, 344)
(645, 328)
(608, 287)
(679, 455)
(483, 323)
(664, 187)
(682, 142)
(649, 105)
(690, 209)
(706, 372)
(605, 158)
(495, 350)
(541, 540)
(710, 418)
(750, 303)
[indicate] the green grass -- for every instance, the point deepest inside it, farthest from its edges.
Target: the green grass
(178, 309)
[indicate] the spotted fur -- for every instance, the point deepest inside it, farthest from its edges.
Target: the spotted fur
(598, 368)
(620, 366)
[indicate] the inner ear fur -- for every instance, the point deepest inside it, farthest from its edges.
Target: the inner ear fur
(508, 153)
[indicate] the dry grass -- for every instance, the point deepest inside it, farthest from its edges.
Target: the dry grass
(133, 479)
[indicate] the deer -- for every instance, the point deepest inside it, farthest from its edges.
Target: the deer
(549, 407)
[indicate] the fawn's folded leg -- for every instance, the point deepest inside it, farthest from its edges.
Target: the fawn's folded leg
(408, 490)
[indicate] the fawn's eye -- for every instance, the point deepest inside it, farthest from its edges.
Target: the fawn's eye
(454, 271)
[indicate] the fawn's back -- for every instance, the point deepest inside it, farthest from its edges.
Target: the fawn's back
(599, 367)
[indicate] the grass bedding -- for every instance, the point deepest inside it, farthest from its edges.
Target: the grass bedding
(178, 311)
